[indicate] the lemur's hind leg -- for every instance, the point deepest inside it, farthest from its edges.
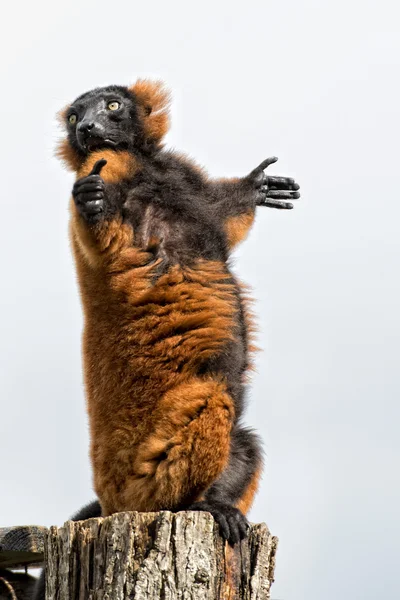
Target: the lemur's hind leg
(186, 451)
(230, 497)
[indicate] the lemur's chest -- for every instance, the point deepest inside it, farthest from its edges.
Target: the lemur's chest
(178, 232)
(137, 344)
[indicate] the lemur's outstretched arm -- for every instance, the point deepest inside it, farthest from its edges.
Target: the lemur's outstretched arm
(236, 199)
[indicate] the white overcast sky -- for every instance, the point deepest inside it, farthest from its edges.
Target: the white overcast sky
(317, 84)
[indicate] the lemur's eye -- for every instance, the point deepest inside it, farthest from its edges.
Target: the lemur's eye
(72, 119)
(113, 105)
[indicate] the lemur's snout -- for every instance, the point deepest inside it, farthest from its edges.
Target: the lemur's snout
(90, 133)
(85, 126)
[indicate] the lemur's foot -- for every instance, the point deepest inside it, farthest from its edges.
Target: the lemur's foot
(273, 191)
(88, 193)
(232, 523)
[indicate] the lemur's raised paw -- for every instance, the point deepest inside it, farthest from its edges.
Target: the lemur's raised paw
(232, 523)
(273, 191)
(88, 193)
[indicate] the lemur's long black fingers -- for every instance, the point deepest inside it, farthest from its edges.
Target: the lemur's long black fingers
(281, 194)
(232, 523)
(222, 522)
(257, 174)
(266, 163)
(279, 180)
(281, 183)
(241, 524)
(244, 527)
(87, 196)
(89, 179)
(92, 183)
(237, 522)
(92, 207)
(98, 165)
(234, 534)
(92, 186)
(265, 201)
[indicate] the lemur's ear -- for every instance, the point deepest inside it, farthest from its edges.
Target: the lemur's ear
(153, 100)
(64, 150)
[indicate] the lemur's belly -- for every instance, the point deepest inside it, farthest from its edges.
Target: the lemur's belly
(140, 346)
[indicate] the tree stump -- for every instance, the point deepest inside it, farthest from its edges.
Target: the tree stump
(156, 556)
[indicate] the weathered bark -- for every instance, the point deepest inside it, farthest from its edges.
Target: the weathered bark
(163, 556)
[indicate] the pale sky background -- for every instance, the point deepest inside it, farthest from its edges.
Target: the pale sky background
(317, 84)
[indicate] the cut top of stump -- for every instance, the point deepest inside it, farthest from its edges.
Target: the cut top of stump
(22, 546)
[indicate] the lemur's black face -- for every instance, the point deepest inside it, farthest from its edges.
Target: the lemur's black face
(103, 118)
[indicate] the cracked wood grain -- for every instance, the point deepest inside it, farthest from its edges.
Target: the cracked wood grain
(156, 556)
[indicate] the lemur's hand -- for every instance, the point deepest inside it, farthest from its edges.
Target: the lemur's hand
(273, 191)
(232, 523)
(88, 193)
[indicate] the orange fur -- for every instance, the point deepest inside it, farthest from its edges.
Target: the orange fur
(247, 304)
(120, 165)
(159, 435)
(178, 459)
(237, 228)
(138, 374)
(154, 101)
(246, 501)
(68, 156)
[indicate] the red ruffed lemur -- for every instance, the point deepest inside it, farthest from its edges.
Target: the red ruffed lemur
(167, 334)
